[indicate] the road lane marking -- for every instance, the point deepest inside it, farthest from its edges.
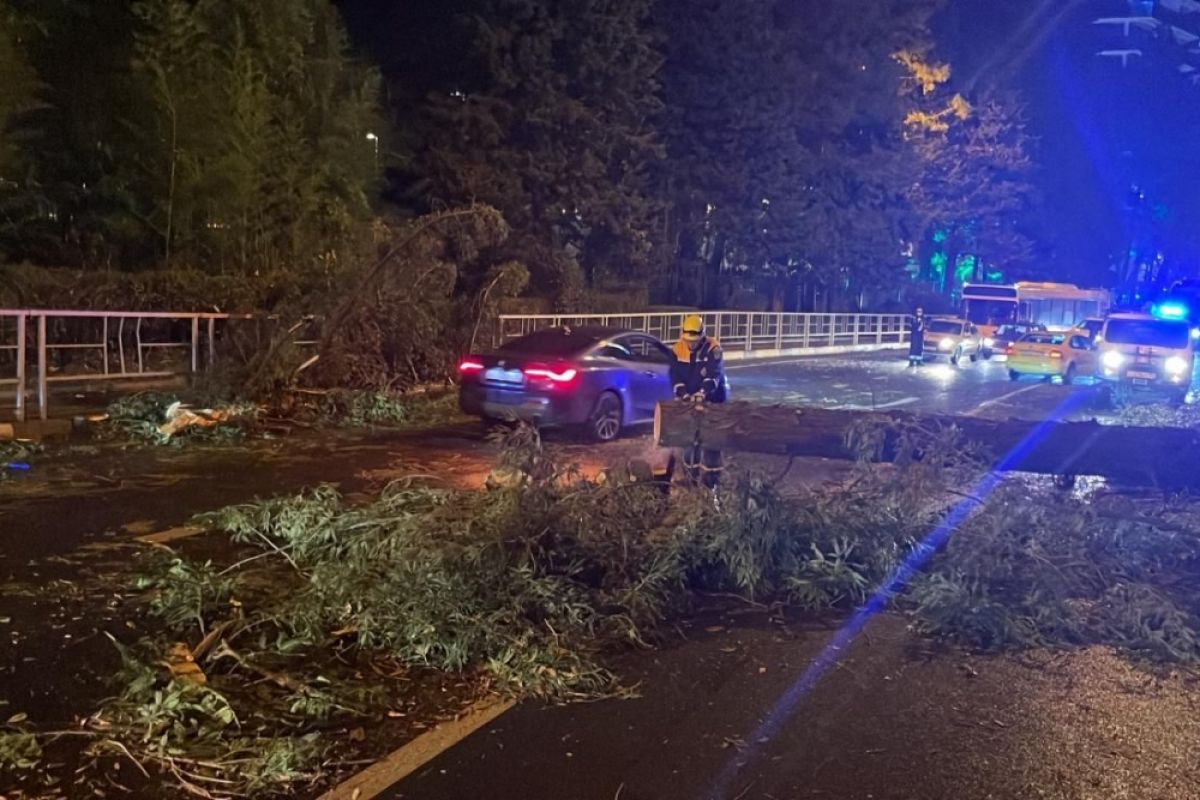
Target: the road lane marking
(391, 769)
(1002, 398)
(907, 401)
(172, 534)
(814, 359)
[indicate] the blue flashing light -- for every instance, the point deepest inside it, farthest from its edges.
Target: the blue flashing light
(1170, 310)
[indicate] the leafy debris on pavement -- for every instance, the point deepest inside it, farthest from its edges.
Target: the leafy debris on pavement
(528, 587)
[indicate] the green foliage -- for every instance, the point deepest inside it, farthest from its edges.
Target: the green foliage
(18, 91)
(1028, 570)
(254, 141)
(558, 132)
(19, 751)
(365, 408)
(533, 579)
(410, 313)
(229, 136)
(183, 593)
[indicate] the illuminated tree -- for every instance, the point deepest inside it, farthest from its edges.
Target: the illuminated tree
(974, 184)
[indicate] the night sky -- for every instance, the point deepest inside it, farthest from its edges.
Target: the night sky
(1100, 127)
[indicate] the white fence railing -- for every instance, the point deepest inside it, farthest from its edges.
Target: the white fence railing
(741, 333)
(40, 347)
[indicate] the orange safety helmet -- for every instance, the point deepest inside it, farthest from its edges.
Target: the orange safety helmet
(693, 327)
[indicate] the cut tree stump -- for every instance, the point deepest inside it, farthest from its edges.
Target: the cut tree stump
(1158, 457)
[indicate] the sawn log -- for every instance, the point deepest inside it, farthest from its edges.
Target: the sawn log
(1158, 457)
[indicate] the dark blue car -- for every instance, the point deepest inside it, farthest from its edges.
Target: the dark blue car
(600, 379)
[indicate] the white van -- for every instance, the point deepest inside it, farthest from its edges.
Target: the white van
(1138, 351)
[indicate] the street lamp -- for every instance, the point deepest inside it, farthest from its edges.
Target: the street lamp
(373, 139)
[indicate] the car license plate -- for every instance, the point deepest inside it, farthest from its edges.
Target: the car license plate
(1142, 376)
(501, 375)
(497, 397)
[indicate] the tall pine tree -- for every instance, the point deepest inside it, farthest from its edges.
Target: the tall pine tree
(559, 132)
(785, 154)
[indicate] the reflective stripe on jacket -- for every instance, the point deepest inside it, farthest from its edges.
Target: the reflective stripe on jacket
(698, 370)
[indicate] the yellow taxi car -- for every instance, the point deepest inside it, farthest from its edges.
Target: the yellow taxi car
(1047, 355)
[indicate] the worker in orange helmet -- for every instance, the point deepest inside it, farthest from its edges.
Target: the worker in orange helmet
(698, 376)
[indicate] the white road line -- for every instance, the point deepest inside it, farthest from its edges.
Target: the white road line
(752, 364)
(907, 401)
(1002, 398)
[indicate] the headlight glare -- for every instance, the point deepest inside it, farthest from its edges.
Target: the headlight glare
(946, 344)
(1175, 365)
(1112, 359)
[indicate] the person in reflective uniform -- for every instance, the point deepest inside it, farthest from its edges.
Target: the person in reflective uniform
(697, 376)
(916, 339)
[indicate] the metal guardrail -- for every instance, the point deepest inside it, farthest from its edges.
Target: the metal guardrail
(46, 346)
(758, 333)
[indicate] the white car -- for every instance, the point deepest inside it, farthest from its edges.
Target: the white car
(952, 338)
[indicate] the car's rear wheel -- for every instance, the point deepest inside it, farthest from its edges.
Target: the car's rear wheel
(605, 423)
(1069, 376)
(1013, 375)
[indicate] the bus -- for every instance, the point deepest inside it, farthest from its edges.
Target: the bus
(1058, 306)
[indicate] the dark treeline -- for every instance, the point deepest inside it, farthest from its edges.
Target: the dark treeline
(786, 155)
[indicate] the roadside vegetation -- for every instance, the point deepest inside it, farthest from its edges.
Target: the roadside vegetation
(180, 418)
(310, 623)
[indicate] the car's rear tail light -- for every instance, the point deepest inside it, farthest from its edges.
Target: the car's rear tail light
(1055, 354)
(1008, 349)
(562, 375)
(469, 366)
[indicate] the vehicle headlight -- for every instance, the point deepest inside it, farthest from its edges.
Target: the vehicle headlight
(1196, 333)
(1175, 365)
(988, 342)
(1112, 359)
(946, 344)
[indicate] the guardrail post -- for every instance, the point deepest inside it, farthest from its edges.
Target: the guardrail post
(749, 332)
(195, 344)
(43, 389)
(778, 331)
(22, 357)
(212, 342)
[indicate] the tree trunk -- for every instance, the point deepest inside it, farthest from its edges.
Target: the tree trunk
(1158, 457)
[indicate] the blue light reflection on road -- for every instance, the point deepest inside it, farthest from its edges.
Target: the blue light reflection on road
(787, 704)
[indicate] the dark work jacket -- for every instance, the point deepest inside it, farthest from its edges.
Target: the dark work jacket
(698, 371)
(916, 336)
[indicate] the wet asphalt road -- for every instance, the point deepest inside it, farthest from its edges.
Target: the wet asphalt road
(884, 381)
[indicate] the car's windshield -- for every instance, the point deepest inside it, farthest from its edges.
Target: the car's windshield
(943, 326)
(1147, 332)
(991, 312)
(1042, 338)
(550, 342)
(1013, 330)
